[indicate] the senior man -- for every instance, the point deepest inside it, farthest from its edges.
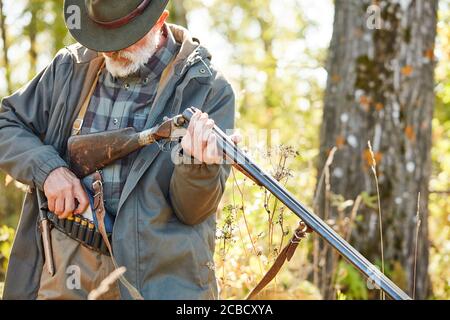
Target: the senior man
(129, 69)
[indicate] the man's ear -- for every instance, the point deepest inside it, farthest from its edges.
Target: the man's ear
(162, 19)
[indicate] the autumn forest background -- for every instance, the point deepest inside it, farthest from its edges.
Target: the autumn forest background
(315, 80)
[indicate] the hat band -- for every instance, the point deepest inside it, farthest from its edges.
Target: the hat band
(124, 20)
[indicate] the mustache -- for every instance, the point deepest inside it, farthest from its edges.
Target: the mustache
(127, 54)
(135, 55)
(119, 54)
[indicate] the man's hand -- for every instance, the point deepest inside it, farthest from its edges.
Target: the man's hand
(61, 188)
(200, 141)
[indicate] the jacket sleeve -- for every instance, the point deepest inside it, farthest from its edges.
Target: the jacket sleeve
(23, 123)
(196, 189)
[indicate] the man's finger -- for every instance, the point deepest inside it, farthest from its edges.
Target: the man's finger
(207, 131)
(186, 143)
(193, 121)
(236, 138)
(83, 200)
(59, 205)
(212, 155)
(69, 205)
(198, 135)
(51, 204)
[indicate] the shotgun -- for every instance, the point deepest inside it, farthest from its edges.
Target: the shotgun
(92, 152)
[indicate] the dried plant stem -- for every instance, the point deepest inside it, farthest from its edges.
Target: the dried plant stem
(322, 176)
(233, 187)
(283, 232)
(325, 272)
(418, 221)
(316, 253)
(106, 283)
(353, 215)
(374, 171)
(224, 279)
(241, 192)
(271, 212)
(347, 234)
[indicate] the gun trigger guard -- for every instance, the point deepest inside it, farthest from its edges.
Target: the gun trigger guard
(162, 144)
(44, 206)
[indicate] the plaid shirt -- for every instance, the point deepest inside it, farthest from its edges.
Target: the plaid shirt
(124, 102)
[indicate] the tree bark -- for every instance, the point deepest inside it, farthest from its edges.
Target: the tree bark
(381, 88)
(31, 31)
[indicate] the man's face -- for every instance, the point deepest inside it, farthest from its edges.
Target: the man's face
(118, 55)
(127, 61)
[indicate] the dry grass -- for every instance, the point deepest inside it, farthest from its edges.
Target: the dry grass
(374, 171)
(418, 222)
(106, 284)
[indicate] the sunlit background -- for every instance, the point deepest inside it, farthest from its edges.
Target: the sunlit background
(273, 53)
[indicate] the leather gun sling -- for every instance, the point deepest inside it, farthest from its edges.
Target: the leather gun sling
(285, 254)
(90, 82)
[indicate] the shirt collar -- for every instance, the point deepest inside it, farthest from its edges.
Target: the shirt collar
(162, 57)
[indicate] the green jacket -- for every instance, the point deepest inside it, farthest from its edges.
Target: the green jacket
(164, 233)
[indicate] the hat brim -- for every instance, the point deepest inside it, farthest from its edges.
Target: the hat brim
(101, 39)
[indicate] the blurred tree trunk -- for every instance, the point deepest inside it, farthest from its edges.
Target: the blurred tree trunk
(5, 49)
(31, 31)
(58, 28)
(381, 88)
(177, 10)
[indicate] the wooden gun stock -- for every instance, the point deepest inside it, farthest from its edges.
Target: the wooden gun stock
(94, 151)
(91, 152)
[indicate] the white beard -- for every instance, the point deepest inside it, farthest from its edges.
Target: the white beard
(137, 58)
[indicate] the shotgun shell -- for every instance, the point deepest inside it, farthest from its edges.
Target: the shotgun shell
(61, 223)
(82, 230)
(89, 234)
(57, 221)
(68, 224)
(76, 226)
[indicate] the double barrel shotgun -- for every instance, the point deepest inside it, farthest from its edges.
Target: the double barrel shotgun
(92, 152)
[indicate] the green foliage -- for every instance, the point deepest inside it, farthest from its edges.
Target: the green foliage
(273, 69)
(341, 296)
(6, 239)
(439, 205)
(369, 201)
(349, 280)
(11, 196)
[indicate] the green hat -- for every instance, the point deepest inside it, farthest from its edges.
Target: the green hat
(111, 25)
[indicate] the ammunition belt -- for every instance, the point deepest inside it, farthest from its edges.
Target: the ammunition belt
(82, 230)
